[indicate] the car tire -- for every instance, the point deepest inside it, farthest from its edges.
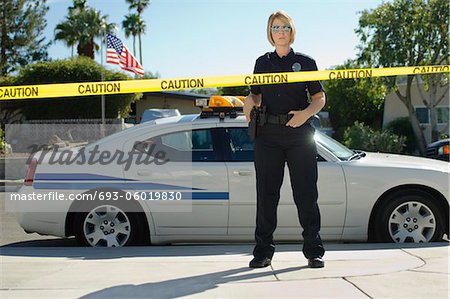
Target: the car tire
(409, 217)
(108, 225)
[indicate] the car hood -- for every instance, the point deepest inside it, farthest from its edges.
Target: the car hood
(403, 161)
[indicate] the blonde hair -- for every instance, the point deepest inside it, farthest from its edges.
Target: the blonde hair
(284, 17)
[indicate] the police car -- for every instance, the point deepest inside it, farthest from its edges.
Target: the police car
(191, 178)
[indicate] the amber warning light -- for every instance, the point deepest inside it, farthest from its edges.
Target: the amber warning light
(220, 106)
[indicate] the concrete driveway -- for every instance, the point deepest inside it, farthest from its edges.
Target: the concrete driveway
(220, 271)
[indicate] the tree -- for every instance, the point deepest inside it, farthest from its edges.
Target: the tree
(67, 32)
(353, 100)
(150, 75)
(432, 99)
(79, 69)
(408, 33)
(82, 25)
(21, 25)
(139, 5)
(131, 25)
(234, 90)
(205, 91)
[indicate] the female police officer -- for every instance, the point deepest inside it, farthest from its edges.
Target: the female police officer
(286, 136)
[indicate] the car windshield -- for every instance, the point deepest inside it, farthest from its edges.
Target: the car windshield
(333, 146)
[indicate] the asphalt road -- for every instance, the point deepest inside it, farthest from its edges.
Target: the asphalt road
(11, 234)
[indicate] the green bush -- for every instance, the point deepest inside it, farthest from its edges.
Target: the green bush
(362, 137)
(402, 126)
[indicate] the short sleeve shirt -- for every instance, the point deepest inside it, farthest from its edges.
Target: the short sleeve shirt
(282, 98)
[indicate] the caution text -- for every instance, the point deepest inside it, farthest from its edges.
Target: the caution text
(266, 79)
(350, 74)
(99, 88)
(19, 92)
(182, 83)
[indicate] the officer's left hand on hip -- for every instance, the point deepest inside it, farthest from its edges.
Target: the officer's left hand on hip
(299, 118)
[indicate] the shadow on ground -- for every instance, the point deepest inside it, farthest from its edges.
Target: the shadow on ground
(179, 287)
(68, 248)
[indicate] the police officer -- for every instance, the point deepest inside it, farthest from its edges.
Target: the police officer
(287, 136)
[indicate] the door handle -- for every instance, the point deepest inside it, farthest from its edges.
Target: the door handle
(243, 172)
(144, 173)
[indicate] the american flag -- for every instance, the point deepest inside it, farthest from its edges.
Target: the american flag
(118, 53)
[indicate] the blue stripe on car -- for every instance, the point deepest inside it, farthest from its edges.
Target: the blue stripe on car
(76, 177)
(210, 195)
(205, 195)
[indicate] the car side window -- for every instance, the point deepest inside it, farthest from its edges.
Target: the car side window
(180, 141)
(183, 146)
(241, 145)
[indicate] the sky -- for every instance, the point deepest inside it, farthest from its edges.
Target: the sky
(198, 38)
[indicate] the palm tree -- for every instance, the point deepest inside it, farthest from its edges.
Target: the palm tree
(82, 25)
(140, 31)
(65, 31)
(140, 5)
(92, 24)
(130, 26)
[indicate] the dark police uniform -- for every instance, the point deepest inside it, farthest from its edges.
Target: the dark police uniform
(277, 144)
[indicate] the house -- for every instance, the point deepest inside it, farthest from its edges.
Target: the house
(394, 108)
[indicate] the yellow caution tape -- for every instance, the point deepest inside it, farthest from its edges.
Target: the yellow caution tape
(149, 85)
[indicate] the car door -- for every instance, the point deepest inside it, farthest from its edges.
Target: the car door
(196, 171)
(241, 174)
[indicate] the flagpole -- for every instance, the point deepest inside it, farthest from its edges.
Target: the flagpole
(102, 74)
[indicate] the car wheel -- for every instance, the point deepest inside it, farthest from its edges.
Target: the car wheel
(411, 217)
(108, 226)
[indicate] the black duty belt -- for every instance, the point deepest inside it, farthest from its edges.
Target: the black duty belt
(278, 119)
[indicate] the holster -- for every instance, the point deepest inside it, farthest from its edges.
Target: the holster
(258, 117)
(253, 124)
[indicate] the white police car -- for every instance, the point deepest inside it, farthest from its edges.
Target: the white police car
(193, 180)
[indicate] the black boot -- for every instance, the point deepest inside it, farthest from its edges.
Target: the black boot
(259, 262)
(316, 262)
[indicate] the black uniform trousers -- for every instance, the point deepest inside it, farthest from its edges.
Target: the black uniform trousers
(275, 145)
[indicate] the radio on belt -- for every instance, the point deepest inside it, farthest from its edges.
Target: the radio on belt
(220, 106)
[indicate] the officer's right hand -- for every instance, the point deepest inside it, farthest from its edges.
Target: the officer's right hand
(248, 106)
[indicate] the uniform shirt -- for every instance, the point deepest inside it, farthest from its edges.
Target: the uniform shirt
(282, 98)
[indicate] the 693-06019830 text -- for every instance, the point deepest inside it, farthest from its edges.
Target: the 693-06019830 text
(99, 195)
